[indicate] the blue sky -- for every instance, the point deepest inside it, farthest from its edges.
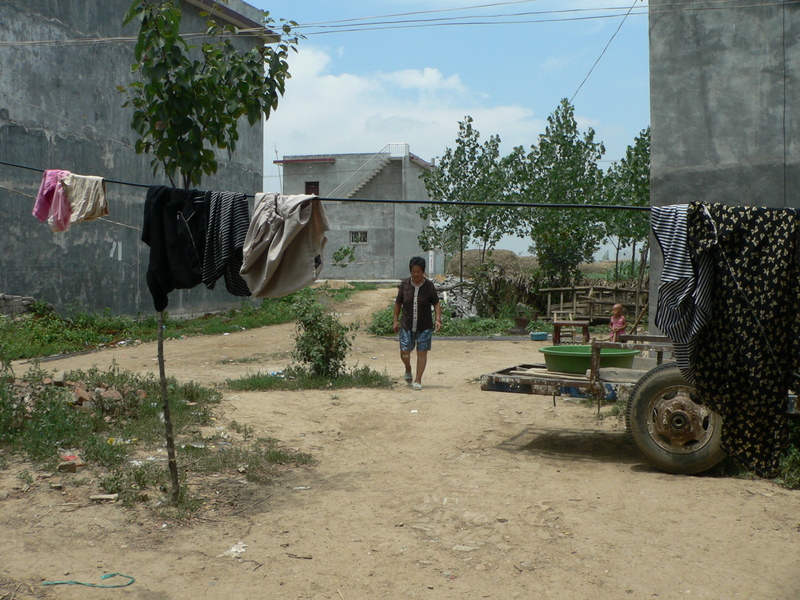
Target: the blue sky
(356, 91)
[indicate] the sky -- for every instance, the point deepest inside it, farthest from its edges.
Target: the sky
(357, 85)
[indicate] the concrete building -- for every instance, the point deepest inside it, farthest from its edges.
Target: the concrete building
(383, 235)
(724, 100)
(60, 108)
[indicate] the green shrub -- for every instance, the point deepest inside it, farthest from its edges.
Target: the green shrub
(382, 322)
(472, 326)
(54, 424)
(321, 341)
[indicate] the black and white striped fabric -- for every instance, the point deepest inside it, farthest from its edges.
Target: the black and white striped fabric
(684, 293)
(228, 222)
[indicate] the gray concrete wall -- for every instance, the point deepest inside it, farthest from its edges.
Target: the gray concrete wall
(392, 229)
(723, 91)
(724, 95)
(60, 108)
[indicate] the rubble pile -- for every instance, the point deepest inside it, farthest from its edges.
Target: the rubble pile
(457, 296)
(12, 306)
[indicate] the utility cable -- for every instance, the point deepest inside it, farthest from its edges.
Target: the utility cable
(412, 24)
(585, 79)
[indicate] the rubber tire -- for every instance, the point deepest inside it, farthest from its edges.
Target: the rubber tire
(637, 416)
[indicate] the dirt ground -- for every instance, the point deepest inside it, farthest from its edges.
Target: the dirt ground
(447, 492)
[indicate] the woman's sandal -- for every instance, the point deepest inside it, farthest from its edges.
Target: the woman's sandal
(417, 386)
(408, 377)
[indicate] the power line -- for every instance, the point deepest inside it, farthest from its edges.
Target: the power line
(461, 18)
(426, 23)
(425, 12)
(419, 23)
(585, 79)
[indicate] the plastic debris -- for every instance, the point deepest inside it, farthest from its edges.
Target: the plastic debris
(236, 551)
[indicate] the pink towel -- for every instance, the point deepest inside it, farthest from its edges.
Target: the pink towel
(52, 204)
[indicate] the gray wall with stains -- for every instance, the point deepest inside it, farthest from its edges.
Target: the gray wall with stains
(724, 100)
(60, 108)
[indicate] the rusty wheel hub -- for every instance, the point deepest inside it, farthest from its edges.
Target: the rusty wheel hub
(677, 418)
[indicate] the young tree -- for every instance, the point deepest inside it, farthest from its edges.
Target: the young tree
(472, 172)
(627, 183)
(187, 100)
(560, 169)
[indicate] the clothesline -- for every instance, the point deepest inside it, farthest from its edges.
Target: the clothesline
(428, 202)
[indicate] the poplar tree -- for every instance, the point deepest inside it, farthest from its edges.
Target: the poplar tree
(561, 168)
(470, 172)
(627, 183)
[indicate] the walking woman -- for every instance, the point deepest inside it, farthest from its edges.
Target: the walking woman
(415, 298)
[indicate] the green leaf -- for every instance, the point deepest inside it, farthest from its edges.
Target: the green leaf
(182, 105)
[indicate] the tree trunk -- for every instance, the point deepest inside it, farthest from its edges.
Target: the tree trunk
(173, 463)
(461, 248)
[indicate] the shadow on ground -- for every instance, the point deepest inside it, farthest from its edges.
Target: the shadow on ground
(575, 444)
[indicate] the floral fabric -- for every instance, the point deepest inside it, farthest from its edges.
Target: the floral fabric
(748, 353)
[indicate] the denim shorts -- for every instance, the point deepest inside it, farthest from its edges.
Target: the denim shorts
(420, 339)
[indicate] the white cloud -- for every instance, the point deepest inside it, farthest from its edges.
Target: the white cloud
(324, 113)
(556, 64)
(428, 79)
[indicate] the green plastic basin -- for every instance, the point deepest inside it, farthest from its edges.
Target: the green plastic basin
(578, 358)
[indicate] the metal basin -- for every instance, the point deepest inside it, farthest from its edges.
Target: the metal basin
(578, 358)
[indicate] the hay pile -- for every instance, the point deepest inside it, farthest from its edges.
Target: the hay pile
(513, 264)
(505, 259)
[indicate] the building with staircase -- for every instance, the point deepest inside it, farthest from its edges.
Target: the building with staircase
(383, 234)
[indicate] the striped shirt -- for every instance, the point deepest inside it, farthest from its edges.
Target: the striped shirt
(228, 222)
(684, 292)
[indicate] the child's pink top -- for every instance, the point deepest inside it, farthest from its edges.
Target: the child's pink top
(617, 326)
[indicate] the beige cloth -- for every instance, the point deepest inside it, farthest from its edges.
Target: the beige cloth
(87, 196)
(284, 244)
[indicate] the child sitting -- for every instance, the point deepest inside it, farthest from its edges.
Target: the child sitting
(617, 322)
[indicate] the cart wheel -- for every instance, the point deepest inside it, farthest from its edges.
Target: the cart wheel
(672, 431)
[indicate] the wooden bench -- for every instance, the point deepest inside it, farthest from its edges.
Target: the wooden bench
(558, 325)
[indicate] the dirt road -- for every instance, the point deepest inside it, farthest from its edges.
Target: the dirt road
(447, 492)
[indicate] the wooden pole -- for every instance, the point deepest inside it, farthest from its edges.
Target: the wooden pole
(640, 281)
(639, 317)
(173, 463)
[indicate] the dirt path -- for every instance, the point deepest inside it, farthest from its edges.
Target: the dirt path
(448, 492)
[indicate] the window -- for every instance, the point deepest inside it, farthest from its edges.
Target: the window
(358, 237)
(312, 188)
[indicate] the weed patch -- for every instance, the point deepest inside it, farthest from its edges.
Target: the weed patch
(298, 378)
(110, 424)
(43, 332)
(382, 324)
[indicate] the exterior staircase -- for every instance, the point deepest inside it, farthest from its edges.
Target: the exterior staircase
(363, 175)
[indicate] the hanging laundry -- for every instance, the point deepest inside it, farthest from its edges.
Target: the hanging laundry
(52, 204)
(87, 197)
(228, 223)
(748, 354)
(685, 292)
(175, 229)
(283, 247)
